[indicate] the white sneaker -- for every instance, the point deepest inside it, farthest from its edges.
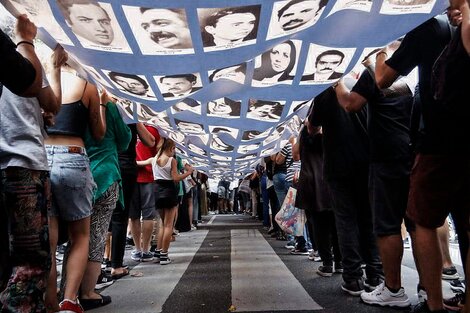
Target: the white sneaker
(384, 297)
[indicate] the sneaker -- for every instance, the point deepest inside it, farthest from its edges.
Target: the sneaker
(147, 256)
(69, 306)
(372, 283)
(423, 308)
(450, 273)
(130, 241)
(339, 269)
(61, 248)
(353, 287)
(164, 259)
(456, 303)
(106, 263)
(384, 297)
(422, 295)
(156, 256)
(457, 285)
(406, 243)
(297, 251)
(136, 255)
(325, 270)
(104, 280)
(290, 245)
(313, 256)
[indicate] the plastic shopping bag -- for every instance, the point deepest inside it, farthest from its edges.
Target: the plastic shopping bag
(291, 219)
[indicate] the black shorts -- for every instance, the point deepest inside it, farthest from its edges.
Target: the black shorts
(166, 194)
(388, 192)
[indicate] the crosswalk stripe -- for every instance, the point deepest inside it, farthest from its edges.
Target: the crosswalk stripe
(260, 280)
(211, 220)
(148, 293)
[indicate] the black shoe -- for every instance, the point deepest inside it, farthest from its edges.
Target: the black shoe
(423, 308)
(325, 270)
(130, 241)
(450, 273)
(456, 303)
(90, 304)
(272, 231)
(353, 287)
(104, 280)
(339, 269)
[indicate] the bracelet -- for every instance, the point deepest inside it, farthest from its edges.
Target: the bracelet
(104, 105)
(25, 42)
(381, 52)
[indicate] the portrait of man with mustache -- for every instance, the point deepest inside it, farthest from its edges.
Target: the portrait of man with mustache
(298, 13)
(325, 66)
(168, 28)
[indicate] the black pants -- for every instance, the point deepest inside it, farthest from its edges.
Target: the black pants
(326, 236)
(274, 207)
(353, 217)
(120, 218)
(458, 217)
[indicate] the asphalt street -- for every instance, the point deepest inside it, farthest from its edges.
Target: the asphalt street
(230, 264)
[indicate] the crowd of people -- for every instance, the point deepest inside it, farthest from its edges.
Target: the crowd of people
(374, 155)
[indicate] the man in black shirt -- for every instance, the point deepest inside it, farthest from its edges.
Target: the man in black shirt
(21, 70)
(440, 180)
(345, 148)
(389, 169)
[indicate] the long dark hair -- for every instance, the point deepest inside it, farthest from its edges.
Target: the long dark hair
(266, 69)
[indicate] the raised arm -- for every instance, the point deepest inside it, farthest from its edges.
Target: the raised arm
(384, 74)
(145, 136)
(145, 162)
(96, 110)
(174, 172)
(464, 8)
(50, 98)
(349, 101)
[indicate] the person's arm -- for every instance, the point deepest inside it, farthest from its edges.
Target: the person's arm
(50, 98)
(296, 146)
(145, 136)
(281, 156)
(465, 10)
(349, 100)
(21, 70)
(385, 76)
(174, 172)
(145, 162)
(96, 110)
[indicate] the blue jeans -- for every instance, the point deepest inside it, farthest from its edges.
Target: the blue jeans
(280, 186)
(265, 196)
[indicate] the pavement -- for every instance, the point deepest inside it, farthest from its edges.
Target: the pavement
(230, 264)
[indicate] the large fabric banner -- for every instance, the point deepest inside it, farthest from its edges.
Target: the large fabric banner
(229, 81)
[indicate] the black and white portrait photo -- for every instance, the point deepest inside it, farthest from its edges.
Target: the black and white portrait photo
(217, 144)
(249, 135)
(96, 76)
(268, 151)
(186, 105)
(299, 107)
(263, 110)
(126, 108)
(247, 157)
(217, 130)
(248, 148)
(360, 5)
(94, 24)
(189, 127)
(40, 13)
(180, 152)
(132, 84)
(178, 86)
(160, 30)
(236, 73)
(226, 28)
(277, 65)
(176, 136)
(195, 149)
(325, 64)
(275, 135)
(220, 157)
(224, 107)
(294, 15)
(396, 7)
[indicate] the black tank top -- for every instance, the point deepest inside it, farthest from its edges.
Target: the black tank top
(72, 119)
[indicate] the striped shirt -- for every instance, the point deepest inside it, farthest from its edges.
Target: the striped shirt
(289, 161)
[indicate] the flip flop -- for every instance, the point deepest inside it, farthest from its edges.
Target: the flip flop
(125, 272)
(89, 304)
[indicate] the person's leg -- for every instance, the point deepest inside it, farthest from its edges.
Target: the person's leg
(136, 231)
(147, 229)
(279, 182)
(160, 230)
(274, 202)
(443, 235)
(50, 298)
(100, 219)
(167, 232)
(77, 256)
(321, 228)
(25, 199)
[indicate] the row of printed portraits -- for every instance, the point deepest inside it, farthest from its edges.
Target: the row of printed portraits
(194, 137)
(276, 66)
(166, 30)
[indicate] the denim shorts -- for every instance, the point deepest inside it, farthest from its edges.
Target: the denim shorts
(72, 183)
